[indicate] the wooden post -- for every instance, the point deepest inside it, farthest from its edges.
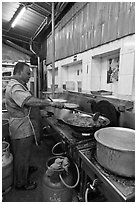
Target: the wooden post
(53, 52)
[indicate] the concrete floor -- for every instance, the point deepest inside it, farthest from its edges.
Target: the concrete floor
(40, 155)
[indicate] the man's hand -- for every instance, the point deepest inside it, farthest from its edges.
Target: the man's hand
(58, 105)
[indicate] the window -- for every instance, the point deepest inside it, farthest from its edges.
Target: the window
(113, 70)
(79, 83)
(6, 74)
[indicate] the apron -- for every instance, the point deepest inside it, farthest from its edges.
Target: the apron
(27, 125)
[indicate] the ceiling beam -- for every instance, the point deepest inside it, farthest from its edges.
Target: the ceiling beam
(40, 28)
(34, 10)
(15, 36)
(61, 6)
(45, 5)
(43, 8)
(15, 39)
(7, 42)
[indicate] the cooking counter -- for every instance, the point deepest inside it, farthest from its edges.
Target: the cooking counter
(114, 188)
(65, 134)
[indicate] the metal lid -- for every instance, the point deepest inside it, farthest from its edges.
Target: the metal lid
(71, 105)
(58, 100)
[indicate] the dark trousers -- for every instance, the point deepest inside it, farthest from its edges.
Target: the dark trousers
(21, 150)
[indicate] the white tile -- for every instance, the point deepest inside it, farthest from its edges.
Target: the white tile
(128, 44)
(103, 83)
(95, 69)
(95, 83)
(88, 83)
(89, 56)
(127, 64)
(104, 71)
(125, 85)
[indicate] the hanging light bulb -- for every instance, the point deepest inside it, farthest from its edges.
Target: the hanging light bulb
(18, 17)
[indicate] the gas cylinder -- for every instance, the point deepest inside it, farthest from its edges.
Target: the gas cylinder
(7, 167)
(5, 130)
(57, 187)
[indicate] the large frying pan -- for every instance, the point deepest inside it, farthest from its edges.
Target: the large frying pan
(89, 129)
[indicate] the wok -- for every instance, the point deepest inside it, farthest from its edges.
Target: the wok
(88, 129)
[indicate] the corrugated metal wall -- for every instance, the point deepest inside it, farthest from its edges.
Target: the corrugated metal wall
(90, 24)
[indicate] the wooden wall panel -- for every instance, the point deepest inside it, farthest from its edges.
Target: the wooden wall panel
(81, 30)
(104, 22)
(78, 32)
(70, 47)
(88, 27)
(72, 38)
(131, 14)
(113, 14)
(59, 41)
(92, 16)
(63, 42)
(75, 38)
(90, 24)
(66, 45)
(97, 27)
(123, 20)
(85, 23)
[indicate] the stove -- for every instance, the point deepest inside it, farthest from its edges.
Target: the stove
(81, 148)
(114, 188)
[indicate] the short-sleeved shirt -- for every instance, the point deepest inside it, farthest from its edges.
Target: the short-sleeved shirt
(19, 123)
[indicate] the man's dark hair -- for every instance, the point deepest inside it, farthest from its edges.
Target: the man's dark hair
(18, 68)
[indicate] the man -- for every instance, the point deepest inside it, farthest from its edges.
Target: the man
(22, 125)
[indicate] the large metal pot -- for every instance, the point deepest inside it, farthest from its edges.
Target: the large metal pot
(88, 129)
(116, 150)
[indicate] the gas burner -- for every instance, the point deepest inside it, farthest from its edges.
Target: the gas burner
(86, 134)
(82, 136)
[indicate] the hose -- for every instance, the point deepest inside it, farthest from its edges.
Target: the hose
(53, 148)
(90, 187)
(5, 150)
(32, 128)
(86, 195)
(76, 181)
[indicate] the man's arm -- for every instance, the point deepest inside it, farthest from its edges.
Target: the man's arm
(33, 101)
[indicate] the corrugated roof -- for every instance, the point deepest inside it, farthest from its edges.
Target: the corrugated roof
(36, 18)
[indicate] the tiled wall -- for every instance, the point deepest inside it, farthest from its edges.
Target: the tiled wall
(127, 66)
(94, 68)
